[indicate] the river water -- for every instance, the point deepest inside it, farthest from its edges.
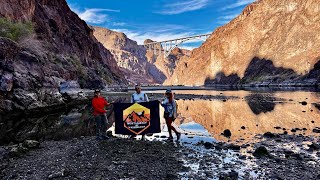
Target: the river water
(244, 113)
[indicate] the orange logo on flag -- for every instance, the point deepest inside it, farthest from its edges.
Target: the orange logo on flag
(136, 118)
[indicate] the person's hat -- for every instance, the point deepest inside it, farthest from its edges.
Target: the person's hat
(97, 91)
(168, 91)
(137, 86)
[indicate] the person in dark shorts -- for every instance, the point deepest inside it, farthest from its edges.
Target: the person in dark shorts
(170, 113)
(98, 104)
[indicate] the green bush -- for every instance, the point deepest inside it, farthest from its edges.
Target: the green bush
(15, 30)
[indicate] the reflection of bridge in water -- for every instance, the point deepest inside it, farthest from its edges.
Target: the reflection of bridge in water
(167, 46)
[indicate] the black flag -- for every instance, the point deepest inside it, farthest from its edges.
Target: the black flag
(137, 118)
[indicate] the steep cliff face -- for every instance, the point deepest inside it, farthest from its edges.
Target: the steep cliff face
(130, 57)
(166, 65)
(137, 63)
(61, 49)
(286, 32)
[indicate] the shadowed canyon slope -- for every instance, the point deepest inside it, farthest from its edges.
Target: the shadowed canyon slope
(283, 32)
(62, 48)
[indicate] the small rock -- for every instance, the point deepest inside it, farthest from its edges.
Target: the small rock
(227, 133)
(293, 130)
(3, 153)
(242, 127)
(17, 151)
(171, 176)
(314, 146)
(233, 147)
(288, 153)
(269, 135)
(245, 146)
(275, 176)
(261, 152)
(208, 145)
(31, 144)
(62, 173)
(312, 121)
(109, 134)
(304, 103)
(316, 130)
(233, 175)
(277, 127)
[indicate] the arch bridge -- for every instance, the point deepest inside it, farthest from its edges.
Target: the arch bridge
(165, 47)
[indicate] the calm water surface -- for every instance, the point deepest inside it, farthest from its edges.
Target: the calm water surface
(245, 115)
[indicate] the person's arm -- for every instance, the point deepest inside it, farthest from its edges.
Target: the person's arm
(96, 108)
(146, 98)
(132, 98)
(174, 109)
(163, 102)
(106, 103)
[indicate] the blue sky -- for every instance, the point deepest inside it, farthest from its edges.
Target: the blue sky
(159, 19)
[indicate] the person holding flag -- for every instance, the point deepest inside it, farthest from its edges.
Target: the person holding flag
(99, 112)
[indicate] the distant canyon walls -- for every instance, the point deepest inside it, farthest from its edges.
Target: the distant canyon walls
(270, 42)
(137, 63)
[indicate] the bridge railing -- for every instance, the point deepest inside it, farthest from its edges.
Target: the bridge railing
(168, 45)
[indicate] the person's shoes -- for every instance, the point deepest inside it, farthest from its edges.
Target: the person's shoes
(178, 136)
(143, 138)
(105, 137)
(170, 139)
(133, 136)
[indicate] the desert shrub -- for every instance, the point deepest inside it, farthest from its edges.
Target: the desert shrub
(15, 30)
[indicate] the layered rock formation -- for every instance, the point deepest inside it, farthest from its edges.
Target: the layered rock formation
(168, 64)
(130, 57)
(63, 48)
(270, 42)
(137, 63)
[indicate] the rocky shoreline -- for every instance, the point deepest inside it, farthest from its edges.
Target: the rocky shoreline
(86, 158)
(272, 156)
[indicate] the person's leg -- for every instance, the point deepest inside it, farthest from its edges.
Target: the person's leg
(177, 133)
(104, 126)
(98, 125)
(169, 122)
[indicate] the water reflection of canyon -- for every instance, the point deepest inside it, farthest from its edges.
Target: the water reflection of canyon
(253, 113)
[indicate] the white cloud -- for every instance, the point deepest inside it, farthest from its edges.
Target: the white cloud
(94, 15)
(229, 17)
(238, 4)
(224, 19)
(183, 6)
(119, 23)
